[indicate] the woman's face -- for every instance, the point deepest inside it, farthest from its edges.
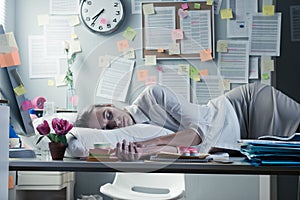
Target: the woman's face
(108, 117)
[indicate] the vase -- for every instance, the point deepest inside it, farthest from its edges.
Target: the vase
(57, 150)
(71, 98)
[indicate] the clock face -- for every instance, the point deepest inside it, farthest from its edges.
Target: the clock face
(102, 16)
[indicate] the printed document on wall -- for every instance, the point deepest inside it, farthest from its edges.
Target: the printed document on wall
(239, 26)
(115, 79)
(264, 34)
(197, 31)
(177, 80)
(234, 64)
(158, 28)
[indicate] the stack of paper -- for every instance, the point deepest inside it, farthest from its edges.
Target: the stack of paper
(272, 150)
(101, 155)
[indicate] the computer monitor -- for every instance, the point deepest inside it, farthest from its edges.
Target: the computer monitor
(19, 118)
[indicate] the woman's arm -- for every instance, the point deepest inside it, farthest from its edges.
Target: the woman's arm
(186, 137)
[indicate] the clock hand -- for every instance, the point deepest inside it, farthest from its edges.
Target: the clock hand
(96, 16)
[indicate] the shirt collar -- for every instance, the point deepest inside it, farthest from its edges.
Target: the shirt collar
(138, 116)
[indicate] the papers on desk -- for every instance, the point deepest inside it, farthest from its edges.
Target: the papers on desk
(272, 150)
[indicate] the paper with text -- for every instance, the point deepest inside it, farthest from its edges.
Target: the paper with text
(158, 28)
(234, 64)
(64, 7)
(115, 80)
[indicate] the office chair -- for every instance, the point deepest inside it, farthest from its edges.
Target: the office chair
(146, 186)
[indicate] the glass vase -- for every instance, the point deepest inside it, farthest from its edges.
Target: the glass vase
(71, 98)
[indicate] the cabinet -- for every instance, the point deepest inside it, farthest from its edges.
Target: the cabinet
(42, 185)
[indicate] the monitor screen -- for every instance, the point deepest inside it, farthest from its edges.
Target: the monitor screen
(19, 118)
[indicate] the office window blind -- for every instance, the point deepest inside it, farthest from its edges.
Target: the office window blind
(3, 9)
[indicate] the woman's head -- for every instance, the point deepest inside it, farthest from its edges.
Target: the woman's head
(104, 116)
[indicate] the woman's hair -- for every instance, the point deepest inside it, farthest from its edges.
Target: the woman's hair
(84, 117)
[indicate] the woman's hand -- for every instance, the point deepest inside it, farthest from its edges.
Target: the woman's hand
(128, 152)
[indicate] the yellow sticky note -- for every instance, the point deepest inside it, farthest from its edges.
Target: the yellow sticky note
(74, 36)
(183, 69)
(226, 13)
(197, 5)
(129, 33)
(203, 72)
(51, 82)
(222, 46)
(268, 10)
(209, 2)
(43, 20)
(104, 61)
(205, 55)
(129, 53)
(174, 48)
(142, 74)
(268, 65)
(150, 60)
(194, 73)
(20, 90)
(73, 20)
(225, 83)
(122, 45)
(148, 9)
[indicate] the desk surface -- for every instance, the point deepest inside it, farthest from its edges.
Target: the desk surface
(237, 167)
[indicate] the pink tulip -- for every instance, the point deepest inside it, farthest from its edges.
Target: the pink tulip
(44, 128)
(61, 126)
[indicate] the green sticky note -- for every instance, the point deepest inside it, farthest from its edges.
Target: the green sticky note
(197, 5)
(194, 73)
(265, 76)
(129, 33)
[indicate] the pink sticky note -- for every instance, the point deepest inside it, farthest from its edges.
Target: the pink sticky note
(26, 105)
(122, 45)
(159, 68)
(150, 80)
(103, 21)
(182, 13)
(177, 34)
(184, 6)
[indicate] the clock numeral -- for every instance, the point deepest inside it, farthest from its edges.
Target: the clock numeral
(100, 27)
(117, 12)
(108, 25)
(115, 20)
(116, 4)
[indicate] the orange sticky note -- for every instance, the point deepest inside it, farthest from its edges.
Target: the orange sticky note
(205, 55)
(122, 45)
(160, 50)
(203, 72)
(10, 59)
(10, 182)
(142, 74)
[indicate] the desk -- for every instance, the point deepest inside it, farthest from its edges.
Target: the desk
(237, 167)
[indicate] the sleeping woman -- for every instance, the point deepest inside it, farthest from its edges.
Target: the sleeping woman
(246, 112)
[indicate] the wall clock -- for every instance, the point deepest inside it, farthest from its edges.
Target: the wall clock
(102, 16)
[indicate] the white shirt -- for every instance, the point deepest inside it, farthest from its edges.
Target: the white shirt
(216, 123)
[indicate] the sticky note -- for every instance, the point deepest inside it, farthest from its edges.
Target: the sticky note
(129, 53)
(267, 65)
(160, 50)
(222, 46)
(142, 74)
(104, 61)
(184, 6)
(203, 72)
(183, 69)
(50, 82)
(174, 48)
(122, 45)
(10, 182)
(74, 36)
(226, 13)
(159, 68)
(268, 10)
(205, 55)
(265, 76)
(73, 20)
(148, 9)
(60, 80)
(194, 73)
(209, 2)
(129, 33)
(177, 34)
(26, 105)
(150, 60)
(20, 90)
(75, 46)
(182, 13)
(226, 84)
(43, 20)
(150, 80)
(10, 59)
(197, 5)
(74, 100)
(4, 46)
